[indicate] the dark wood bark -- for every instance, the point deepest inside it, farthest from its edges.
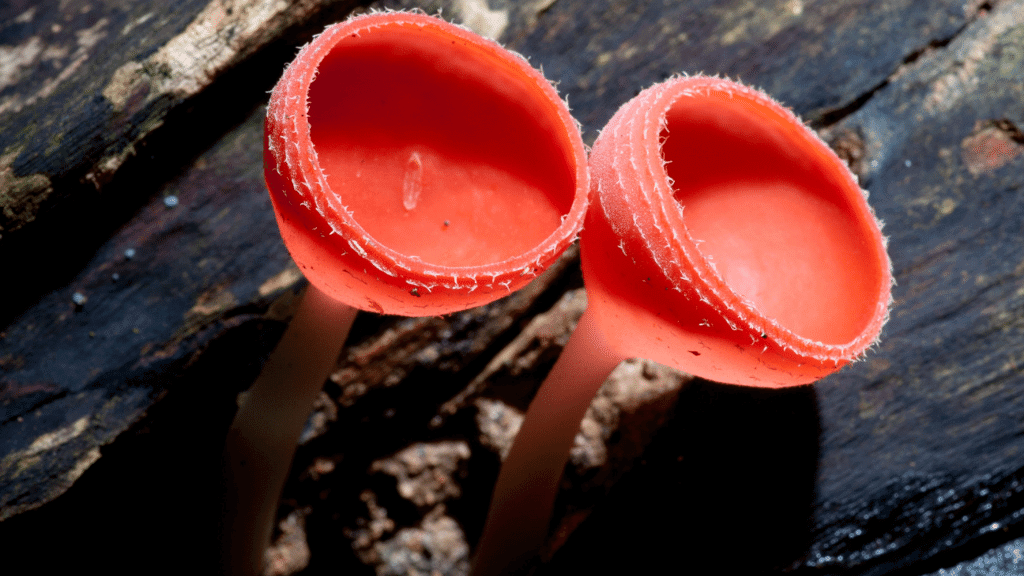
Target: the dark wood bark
(144, 282)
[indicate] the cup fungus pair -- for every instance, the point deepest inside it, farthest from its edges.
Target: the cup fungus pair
(723, 239)
(416, 169)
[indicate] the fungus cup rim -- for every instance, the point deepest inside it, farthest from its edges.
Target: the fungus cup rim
(291, 155)
(689, 271)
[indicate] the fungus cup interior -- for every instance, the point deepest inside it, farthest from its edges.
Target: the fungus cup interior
(775, 217)
(438, 158)
(448, 160)
(728, 241)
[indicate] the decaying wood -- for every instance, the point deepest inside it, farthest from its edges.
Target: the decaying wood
(86, 83)
(144, 282)
(87, 88)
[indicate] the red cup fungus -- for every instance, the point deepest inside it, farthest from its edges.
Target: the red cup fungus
(725, 239)
(417, 169)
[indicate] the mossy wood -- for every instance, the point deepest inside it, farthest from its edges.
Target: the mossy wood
(144, 282)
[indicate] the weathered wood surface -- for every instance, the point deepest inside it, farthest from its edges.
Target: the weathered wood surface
(902, 463)
(102, 105)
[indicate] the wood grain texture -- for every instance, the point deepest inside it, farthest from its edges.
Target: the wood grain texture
(86, 82)
(902, 463)
(102, 104)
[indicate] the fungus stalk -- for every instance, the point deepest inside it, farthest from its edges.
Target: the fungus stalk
(524, 495)
(262, 438)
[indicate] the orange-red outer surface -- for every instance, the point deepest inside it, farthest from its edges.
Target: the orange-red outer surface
(725, 239)
(418, 169)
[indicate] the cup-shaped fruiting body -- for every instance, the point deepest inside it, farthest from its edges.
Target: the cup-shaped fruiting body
(417, 169)
(727, 240)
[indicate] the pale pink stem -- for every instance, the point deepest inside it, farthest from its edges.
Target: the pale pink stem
(262, 439)
(517, 522)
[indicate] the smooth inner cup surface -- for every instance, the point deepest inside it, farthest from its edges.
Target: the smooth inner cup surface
(780, 223)
(441, 152)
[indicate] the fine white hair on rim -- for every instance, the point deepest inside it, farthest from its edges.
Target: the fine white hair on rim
(620, 129)
(294, 90)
